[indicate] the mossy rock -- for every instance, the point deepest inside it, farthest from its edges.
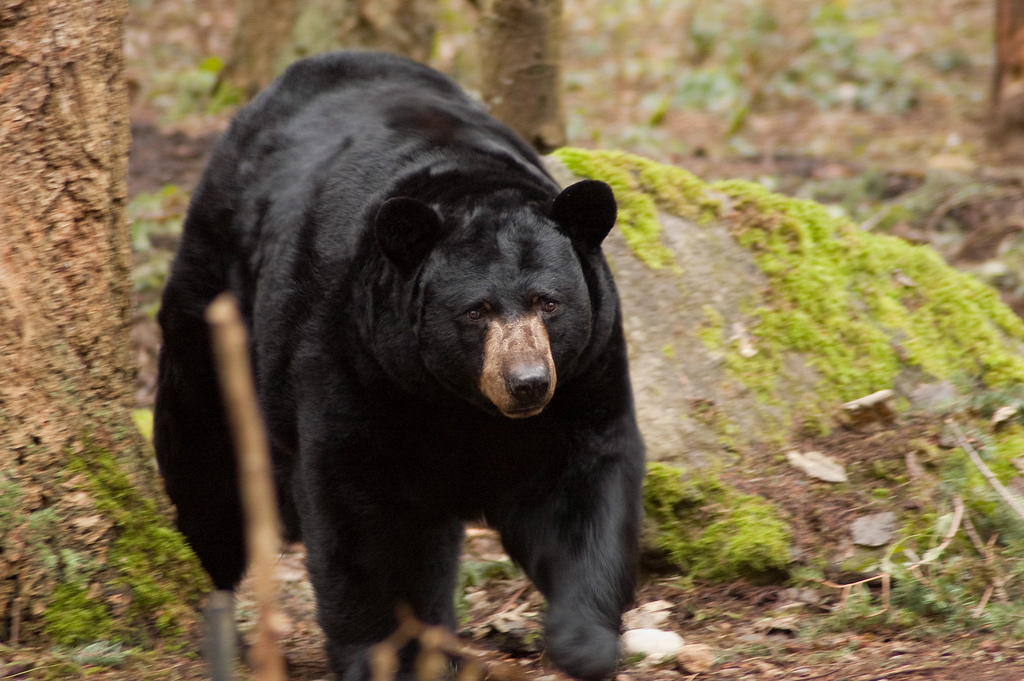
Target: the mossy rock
(751, 317)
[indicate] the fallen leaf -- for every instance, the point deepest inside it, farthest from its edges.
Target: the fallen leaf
(817, 465)
(1002, 415)
(695, 658)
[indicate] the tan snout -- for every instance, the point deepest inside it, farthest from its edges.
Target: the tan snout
(518, 374)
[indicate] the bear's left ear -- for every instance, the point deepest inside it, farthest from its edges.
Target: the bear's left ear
(586, 211)
(406, 231)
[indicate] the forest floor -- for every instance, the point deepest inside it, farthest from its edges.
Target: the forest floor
(878, 112)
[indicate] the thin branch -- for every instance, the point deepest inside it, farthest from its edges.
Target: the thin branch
(437, 646)
(958, 516)
(984, 600)
(262, 526)
(1007, 496)
(511, 601)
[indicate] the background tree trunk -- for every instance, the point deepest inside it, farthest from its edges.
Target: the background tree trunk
(405, 27)
(85, 554)
(1006, 116)
(520, 71)
(263, 30)
(270, 34)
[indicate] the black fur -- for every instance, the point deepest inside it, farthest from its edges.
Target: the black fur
(368, 362)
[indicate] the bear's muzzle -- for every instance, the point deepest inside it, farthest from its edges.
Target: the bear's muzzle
(518, 374)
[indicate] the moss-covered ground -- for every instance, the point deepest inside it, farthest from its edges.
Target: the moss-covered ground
(147, 584)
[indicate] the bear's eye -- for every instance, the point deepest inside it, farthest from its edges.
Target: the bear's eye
(478, 312)
(548, 305)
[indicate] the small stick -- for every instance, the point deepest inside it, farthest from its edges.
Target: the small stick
(508, 604)
(1007, 496)
(262, 526)
(886, 592)
(954, 526)
(984, 600)
(972, 532)
(906, 669)
(16, 606)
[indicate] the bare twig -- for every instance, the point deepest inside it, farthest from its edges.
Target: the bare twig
(958, 516)
(956, 202)
(954, 526)
(906, 669)
(883, 577)
(16, 606)
(437, 646)
(1007, 496)
(511, 601)
(262, 526)
(972, 533)
(984, 600)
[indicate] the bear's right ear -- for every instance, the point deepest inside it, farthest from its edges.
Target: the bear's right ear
(406, 230)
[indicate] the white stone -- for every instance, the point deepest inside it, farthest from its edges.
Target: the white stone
(654, 644)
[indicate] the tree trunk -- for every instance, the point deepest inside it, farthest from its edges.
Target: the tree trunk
(520, 73)
(405, 27)
(1006, 115)
(263, 30)
(85, 553)
(270, 34)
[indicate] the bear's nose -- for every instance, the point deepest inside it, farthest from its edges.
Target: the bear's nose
(528, 384)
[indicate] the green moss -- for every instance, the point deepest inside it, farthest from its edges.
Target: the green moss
(835, 297)
(1006, 445)
(669, 491)
(751, 541)
(143, 420)
(73, 618)
(712, 332)
(714, 532)
(148, 560)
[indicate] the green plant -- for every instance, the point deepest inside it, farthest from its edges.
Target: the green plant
(475, 573)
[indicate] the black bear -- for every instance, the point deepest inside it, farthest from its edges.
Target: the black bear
(436, 338)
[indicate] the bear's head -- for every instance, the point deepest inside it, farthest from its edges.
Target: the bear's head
(501, 304)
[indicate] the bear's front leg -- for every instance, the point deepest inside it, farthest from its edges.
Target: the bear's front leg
(578, 543)
(364, 559)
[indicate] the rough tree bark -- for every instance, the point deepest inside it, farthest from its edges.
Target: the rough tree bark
(270, 34)
(520, 72)
(1006, 112)
(85, 554)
